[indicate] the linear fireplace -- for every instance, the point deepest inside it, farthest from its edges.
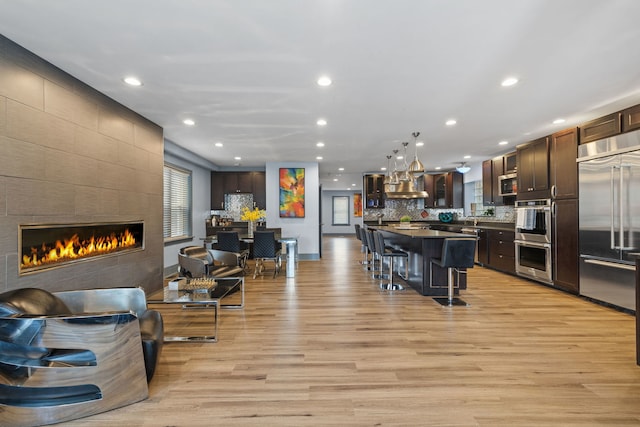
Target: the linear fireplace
(46, 246)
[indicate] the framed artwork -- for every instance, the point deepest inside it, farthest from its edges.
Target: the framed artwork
(291, 192)
(357, 204)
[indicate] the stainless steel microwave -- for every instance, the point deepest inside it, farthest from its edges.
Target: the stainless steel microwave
(508, 184)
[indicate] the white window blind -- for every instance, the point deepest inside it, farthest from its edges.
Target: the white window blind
(176, 203)
(340, 210)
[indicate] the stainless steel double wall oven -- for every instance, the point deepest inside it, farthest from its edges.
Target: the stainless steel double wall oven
(533, 240)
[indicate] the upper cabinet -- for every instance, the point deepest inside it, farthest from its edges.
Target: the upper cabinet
(223, 183)
(492, 170)
(563, 168)
(600, 128)
(448, 190)
(533, 170)
(631, 118)
(374, 191)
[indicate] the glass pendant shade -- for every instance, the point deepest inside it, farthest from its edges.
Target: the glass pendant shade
(404, 174)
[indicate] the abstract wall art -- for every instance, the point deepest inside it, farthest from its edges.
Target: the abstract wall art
(291, 192)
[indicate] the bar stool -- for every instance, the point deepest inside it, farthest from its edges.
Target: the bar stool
(456, 255)
(391, 254)
(375, 257)
(363, 244)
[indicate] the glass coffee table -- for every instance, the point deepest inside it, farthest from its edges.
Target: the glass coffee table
(201, 294)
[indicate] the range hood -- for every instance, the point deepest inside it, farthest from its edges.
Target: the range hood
(404, 190)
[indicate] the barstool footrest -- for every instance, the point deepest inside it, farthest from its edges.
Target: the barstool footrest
(447, 302)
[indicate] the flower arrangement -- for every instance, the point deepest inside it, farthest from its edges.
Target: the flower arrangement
(252, 215)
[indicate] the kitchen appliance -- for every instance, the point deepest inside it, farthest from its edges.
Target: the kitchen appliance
(609, 218)
(533, 240)
(508, 184)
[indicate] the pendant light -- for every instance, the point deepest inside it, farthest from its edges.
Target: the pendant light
(416, 168)
(404, 174)
(387, 177)
(395, 175)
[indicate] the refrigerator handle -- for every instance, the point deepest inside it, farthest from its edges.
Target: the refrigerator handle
(612, 232)
(622, 210)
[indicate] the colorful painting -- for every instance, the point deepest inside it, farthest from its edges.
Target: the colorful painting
(291, 192)
(357, 204)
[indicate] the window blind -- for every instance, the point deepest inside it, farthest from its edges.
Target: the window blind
(176, 203)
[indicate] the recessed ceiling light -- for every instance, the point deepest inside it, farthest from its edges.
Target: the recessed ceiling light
(132, 81)
(558, 121)
(340, 169)
(509, 81)
(503, 142)
(419, 144)
(384, 168)
(320, 144)
(438, 168)
(319, 158)
(218, 144)
(353, 185)
(467, 156)
(237, 158)
(450, 122)
(321, 122)
(324, 81)
(188, 122)
(336, 179)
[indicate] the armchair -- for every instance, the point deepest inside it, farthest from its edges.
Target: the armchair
(73, 354)
(197, 261)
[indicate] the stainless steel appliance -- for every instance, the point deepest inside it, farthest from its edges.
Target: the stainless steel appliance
(533, 240)
(609, 185)
(508, 184)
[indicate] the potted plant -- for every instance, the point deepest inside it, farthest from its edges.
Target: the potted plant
(406, 219)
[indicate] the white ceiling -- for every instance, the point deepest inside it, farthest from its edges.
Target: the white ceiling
(245, 71)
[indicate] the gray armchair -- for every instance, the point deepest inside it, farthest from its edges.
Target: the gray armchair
(197, 261)
(73, 354)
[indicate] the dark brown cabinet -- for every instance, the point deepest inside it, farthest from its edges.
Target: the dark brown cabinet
(223, 183)
(533, 170)
(565, 244)
(448, 190)
(602, 127)
(631, 118)
(510, 163)
(563, 168)
(483, 247)
(428, 182)
(374, 191)
(491, 171)
(502, 250)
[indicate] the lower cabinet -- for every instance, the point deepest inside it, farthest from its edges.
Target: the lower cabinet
(496, 250)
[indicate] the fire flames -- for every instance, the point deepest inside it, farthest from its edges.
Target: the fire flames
(74, 247)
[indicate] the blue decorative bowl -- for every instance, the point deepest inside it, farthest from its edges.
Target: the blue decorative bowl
(445, 217)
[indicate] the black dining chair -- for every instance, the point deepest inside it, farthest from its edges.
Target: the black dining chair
(229, 241)
(266, 247)
(457, 255)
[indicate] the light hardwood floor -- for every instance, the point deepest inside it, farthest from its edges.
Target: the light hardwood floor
(328, 348)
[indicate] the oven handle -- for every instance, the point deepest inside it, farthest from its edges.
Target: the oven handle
(532, 244)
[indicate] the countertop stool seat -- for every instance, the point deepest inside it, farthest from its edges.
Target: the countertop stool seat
(457, 254)
(363, 244)
(391, 254)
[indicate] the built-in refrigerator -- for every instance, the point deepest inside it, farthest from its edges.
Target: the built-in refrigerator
(609, 212)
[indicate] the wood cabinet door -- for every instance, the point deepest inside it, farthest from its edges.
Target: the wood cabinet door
(602, 127)
(497, 169)
(631, 118)
(454, 190)
(565, 244)
(563, 168)
(487, 182)
(217, 191)
(429, 188)
(244, 182)
(483, 247)
(440, 190)
(259, 189)
(533, 170)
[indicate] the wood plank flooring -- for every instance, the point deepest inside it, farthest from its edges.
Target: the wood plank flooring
(328, 348)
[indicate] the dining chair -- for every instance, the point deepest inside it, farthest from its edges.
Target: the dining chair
(266, 247)
(229, 241)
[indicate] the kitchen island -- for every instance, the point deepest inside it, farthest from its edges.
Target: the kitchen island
(422, 245)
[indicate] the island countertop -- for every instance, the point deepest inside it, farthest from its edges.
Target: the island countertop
(420, 233)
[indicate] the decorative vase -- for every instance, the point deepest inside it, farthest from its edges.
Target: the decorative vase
(251, 225)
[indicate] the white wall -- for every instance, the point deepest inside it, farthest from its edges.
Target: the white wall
(327, 213)
(305, 229)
